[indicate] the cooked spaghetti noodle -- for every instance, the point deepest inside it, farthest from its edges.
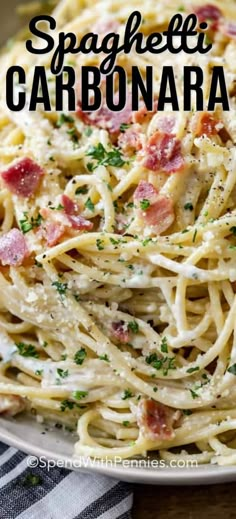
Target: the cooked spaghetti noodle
(117, 284)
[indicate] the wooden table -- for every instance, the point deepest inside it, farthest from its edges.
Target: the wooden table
(203, 502)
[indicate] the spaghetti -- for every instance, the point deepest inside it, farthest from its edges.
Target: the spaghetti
(117, 279)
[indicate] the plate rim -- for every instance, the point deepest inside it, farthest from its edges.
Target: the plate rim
(203, 475)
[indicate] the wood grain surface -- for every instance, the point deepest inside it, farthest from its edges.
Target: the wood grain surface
(203, 502)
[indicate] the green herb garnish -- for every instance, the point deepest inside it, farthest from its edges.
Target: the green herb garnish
(80, 356)
(27, 350)
(188, 206)
(144, 204)
(64, 118)
(105, 158)
(27, 224)
(133, 326)
(78, 395)
(62, 373)
(127, 394)
(60, 287)
(89, 205)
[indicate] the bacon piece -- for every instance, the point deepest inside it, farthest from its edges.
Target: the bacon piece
(13, 248)
(145, 191)
(163, 153)
(105, 118)
(77, 221)
(23, 178)
(143, 115)
(160, 213)
(208, 12)
(130, 140)
(156, 420)
(120, 331)
(229, 29)
(59, 222)
(166, 123)
(69, 205)
(52, 232)
(10, 405)
(206, 125)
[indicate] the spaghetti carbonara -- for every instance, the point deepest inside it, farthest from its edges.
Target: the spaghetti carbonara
(118, 253)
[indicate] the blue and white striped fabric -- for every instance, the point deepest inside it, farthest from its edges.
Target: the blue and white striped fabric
(58, 493)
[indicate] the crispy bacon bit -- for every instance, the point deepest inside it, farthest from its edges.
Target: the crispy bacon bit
(143, 115)
(13, 248)
(62, 221)
(10, 405)
(166, 123)
(208, 12)
(163, 153)
(52, 232)
(206, 125)
(229, 29)
(23, 178)
(130, 140)
(76, 220)
(105, 118)
(145, 191)
(160, 212)
(156, 420)
(120, 331)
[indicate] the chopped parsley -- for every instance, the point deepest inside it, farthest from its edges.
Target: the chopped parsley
(144, 204)
(62, 373)
(194, 394)
(188, 206)
(81, 190)
(124, 126)
(133, 326)
(67, 404)
(195, 235)
(80, 356)
(26, 350)
(233, 230)
(60, 287)
(146, 241)
(125, 423)
(192, 370)
(78, 395)
(73, 134)
(64, 118)
(27, 224)
(88, 131)
(232, 369)
(89, 205)
(187, 412)
(100, 244)
(60, 207)
(127, 394)
(166, 363)
(105, 158)
(114, 242)
(164, 345)
(104, 357)
(39, 372)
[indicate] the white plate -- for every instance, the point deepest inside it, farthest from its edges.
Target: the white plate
(25, 434)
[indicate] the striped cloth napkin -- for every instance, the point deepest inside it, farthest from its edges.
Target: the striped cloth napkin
(58, 493)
